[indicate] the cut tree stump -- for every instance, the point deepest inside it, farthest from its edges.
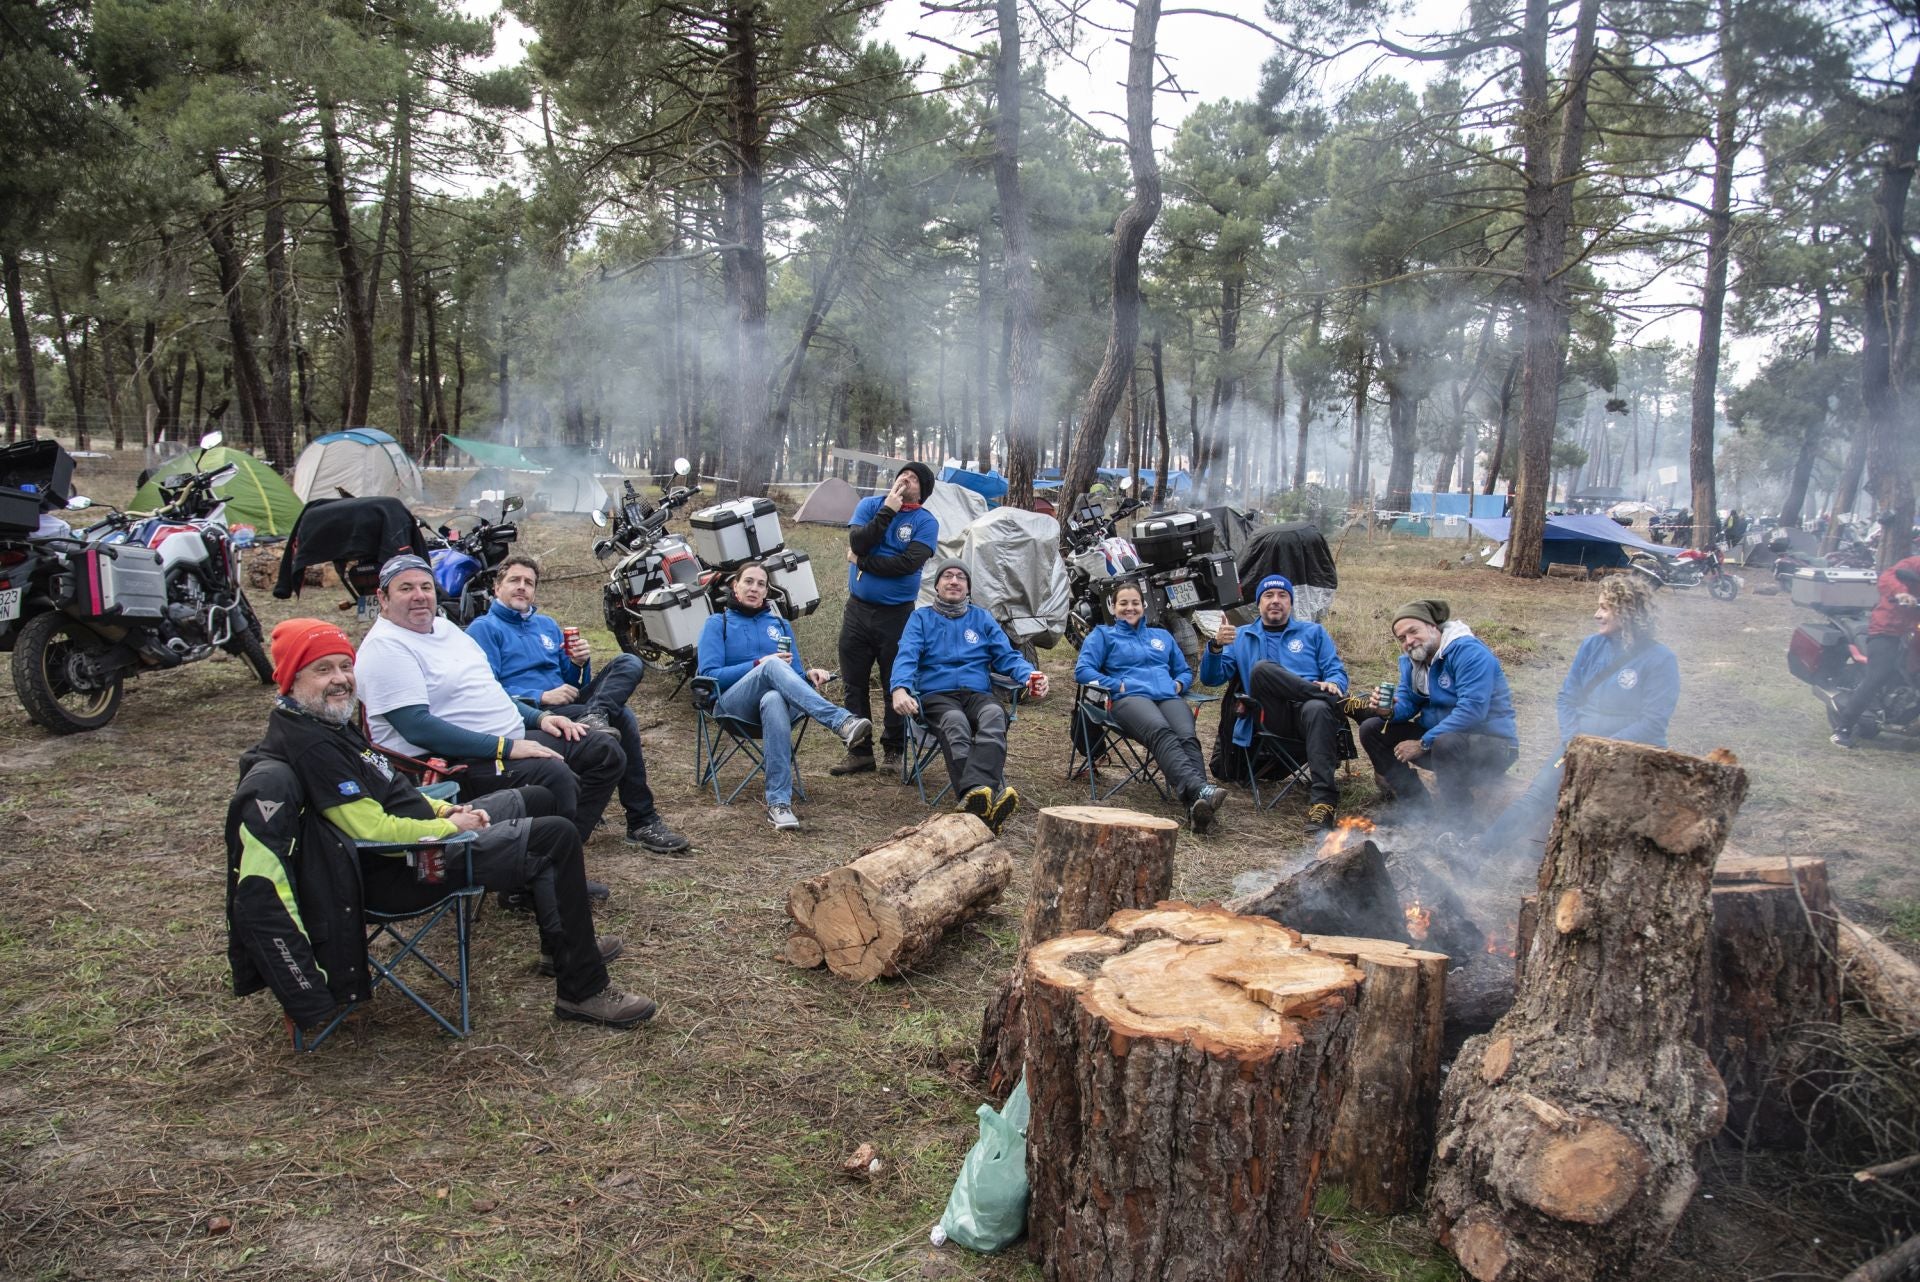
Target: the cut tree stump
(1089, 862)
(1383, 1135)
(886, 910)
(1567, 1134)
(1185, 1066)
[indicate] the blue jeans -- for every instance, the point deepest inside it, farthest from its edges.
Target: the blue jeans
(773, 694)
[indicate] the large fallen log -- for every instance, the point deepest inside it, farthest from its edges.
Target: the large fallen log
(886, 910)
(1567, 1134)
(1877, 977)
(1184, 1066)
(1089, 862)
(1383, 1135)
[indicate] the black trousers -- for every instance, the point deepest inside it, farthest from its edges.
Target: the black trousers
(1883, 665)
(607, 694)
(1459, 761)
(870, 634)
(522, 848)
(581, 782)
(1297, 709)
(1165, 726)
(971, 728)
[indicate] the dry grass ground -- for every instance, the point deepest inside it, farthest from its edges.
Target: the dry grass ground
(142, 1108)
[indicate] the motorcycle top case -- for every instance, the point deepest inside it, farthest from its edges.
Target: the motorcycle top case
(672, 617)
(118, 582)
(1817, 652)
(728, 533)
(1835, 589)
(1167, 539)
(792, 573)
(34, 476)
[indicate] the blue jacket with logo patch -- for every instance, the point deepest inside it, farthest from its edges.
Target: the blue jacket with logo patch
(524, 651)
(1633, 703)
(1303, 648)
(938, 654)
(914, 525)
(1467, 693)
(732, 641)
(1134, 658)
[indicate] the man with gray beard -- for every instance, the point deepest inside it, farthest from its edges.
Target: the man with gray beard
(519, 843)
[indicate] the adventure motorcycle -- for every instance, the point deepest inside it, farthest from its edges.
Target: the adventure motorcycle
(465, 567)
(130, 594)
(1831, 656)
(656, 599)
(1170, 557)
(1695, 567)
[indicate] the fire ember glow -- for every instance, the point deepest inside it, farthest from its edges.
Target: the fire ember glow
(1497, 947)
(1419, 920)
(1349, 830)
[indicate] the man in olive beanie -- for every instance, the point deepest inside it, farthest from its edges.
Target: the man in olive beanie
(1452, 712)
(891, 537)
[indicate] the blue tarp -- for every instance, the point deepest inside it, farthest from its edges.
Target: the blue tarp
(990, 486)
(1575, 540)
(1049, 479)
(1430, 504)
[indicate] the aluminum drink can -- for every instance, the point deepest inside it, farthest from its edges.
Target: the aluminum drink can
(568, 638)
(784, 646)
(1383, 695)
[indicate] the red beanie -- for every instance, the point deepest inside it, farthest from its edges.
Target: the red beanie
(298, 642)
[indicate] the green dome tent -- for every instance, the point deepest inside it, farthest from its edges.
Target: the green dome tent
(255, 496)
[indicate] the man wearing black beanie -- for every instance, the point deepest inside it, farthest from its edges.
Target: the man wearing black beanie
(890, 537)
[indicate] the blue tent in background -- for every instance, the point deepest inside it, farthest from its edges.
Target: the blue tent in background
(990, 486)
(1049, 478)
(1574, 540)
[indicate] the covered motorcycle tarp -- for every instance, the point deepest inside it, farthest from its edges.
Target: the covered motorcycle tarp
(1018, 576)
(955, 507)
(339, 531)
(1233, 527)
(1297, 550)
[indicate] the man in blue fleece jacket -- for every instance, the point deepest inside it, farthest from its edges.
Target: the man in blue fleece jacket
(949, 652)
(1290, 668)
(533, 663)
(1452, 712)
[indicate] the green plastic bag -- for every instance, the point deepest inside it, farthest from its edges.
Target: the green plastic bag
(987, 1210)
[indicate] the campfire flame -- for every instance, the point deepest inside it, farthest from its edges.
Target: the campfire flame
(1349, 830)
(1499, 948)
(1419, 920)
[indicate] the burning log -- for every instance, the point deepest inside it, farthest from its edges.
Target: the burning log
(1184, 1066)
(1383, 1135)
(1344, 890)
(888, 908)
(1567, 1134)
(1089, 862)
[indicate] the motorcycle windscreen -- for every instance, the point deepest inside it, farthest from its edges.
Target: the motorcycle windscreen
(452, 569)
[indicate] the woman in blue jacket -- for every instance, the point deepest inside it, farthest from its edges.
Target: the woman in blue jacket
(749, 650)
(1623, 685)
(1142, 668)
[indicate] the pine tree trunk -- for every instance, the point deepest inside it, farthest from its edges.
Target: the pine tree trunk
(404, 427)
(277, 432)
(1185, 1071)
(355, 306)
(24, 374)
(1567, 1133)
(1023, 355)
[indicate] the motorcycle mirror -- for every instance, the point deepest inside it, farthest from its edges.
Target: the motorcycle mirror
(598, 517)
(681, 467)
(79, 501)
(211, 439)
(512, 503)
(1126, 483)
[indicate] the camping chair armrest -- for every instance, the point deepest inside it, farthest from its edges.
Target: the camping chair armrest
(444, 790)
(1092, 692)
(706, 691)
(418, 769)
(395, 847)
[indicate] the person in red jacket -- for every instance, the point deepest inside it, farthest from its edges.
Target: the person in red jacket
(1893, 620)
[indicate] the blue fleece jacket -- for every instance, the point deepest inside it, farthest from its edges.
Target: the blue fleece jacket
(525, 651)
(914, 525)
(1134, 658)
(732, 641)
(938, 654)
(1634, 703)
(1466, 694)
(1303, 648)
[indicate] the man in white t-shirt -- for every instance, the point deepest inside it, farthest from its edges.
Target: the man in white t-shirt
(429, 691)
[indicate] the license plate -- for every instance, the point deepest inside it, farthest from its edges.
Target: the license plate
(1182, 596)
(10, 603)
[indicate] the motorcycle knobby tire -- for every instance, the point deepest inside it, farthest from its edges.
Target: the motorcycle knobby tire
(38, 653)
(1723, 587)
(251, 644)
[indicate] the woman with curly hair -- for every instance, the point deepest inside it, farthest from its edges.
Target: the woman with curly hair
(1623, 685)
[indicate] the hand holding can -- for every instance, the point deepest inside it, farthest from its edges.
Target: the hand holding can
(1383, 696)
(572, 642)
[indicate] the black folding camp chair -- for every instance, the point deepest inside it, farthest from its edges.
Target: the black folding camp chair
(1097, 741)
(718, 739)
(920, 746)
(1281, 760)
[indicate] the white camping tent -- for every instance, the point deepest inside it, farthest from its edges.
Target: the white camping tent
(956, 507)
(570, 491)
(831, 503)
(361, 462)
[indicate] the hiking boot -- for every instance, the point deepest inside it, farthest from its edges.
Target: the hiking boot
(1205, 806)
(1319, 818)
(609, 1006)
(783, 818)
(979, 803)
(1841, 739)
(597, 722)
(855, 762)
(894, 758)
(1003, 808)
(611, 947)
(857, 733)
(521, 901)
(658, 838)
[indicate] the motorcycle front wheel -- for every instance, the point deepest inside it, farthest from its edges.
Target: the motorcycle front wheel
(1724, 587)
(48, 674)
(250, 644)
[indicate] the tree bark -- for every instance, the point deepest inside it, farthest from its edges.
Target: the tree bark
(1883, 377)
(1186, 1071)
(1713, 296)
(1383, 1134)
(248, 385)
(1023, 354)
(277, 432)
(886, 910)
(404, 427)
(1879, 978)
(746, 179)
(1129, 234)
(1567, 1133)
(355, 306)
(24, 374)
(76, 367)
(1089, 862)
(1165, 455)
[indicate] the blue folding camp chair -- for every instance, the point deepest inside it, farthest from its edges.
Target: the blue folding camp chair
(718, 739)
(920, 746)
(407, 932)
